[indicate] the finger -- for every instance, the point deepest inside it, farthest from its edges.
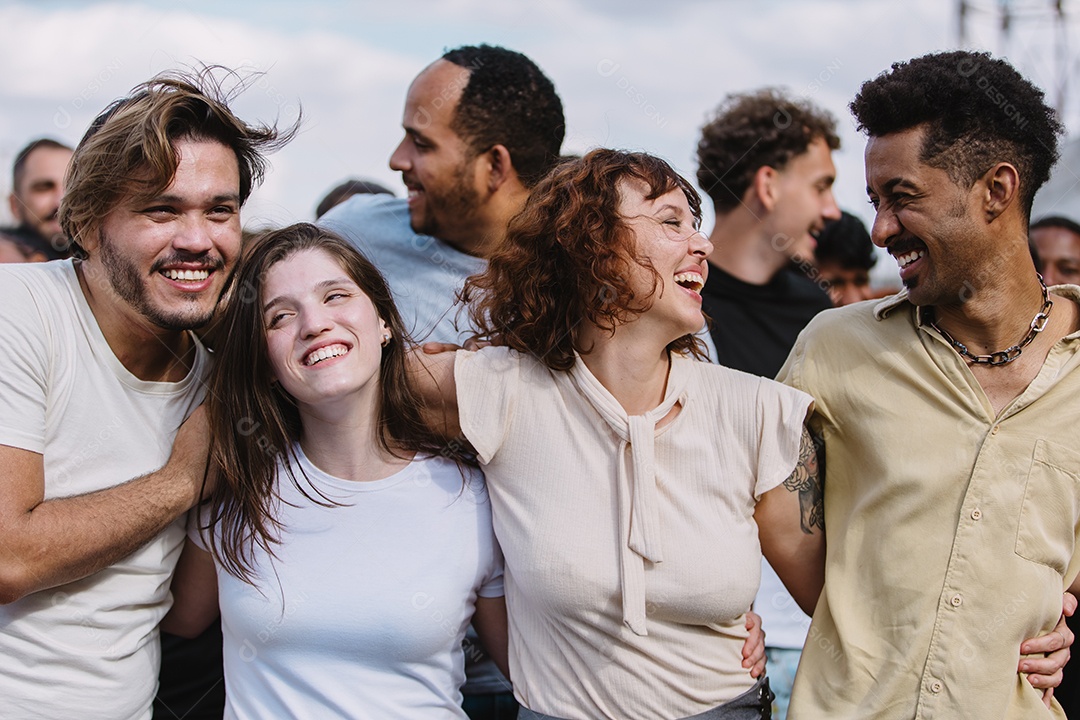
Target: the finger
(1051, 642)
(1048, 697)
(474, 345)
(434, 348)
(1045, 671)
(1068, 604)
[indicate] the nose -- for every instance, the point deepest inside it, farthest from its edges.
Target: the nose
(314, 322)
(886, 226)
(194, 235)
(830, 210)
(399, 160)
(700, 245)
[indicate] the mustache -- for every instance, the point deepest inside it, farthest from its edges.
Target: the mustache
(905, 245)
(205, 261)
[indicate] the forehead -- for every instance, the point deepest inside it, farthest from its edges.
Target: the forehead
(46, 161)
(433, 97)
(1056, 241)
(300, 270)
(816, 161)
(633, 201)
(895, 157)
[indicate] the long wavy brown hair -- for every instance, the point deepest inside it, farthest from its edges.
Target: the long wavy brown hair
(568, 257)
(255, 424)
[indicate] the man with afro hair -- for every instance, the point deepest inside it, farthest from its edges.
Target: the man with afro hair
(948, 415)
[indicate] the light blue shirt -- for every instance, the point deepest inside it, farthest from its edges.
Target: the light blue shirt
(424, 273)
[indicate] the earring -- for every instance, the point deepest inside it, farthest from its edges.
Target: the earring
(386, 339)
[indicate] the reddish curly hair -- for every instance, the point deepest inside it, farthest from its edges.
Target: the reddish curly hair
(567, 259)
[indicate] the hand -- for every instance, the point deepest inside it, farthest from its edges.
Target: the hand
(753, 650)
(434, 348)
(472, 344)
(1045, 672)
(191, 450)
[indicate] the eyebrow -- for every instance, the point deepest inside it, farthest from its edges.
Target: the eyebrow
(890, 185)
(177, 200)
(318, 286)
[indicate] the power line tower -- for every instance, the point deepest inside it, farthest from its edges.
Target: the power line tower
(1035, 36)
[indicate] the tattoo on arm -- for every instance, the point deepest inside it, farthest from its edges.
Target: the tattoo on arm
(806, 480)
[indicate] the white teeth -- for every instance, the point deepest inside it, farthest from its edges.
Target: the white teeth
(690, 280)
(186, 275)
(325, 353)
(904, 260)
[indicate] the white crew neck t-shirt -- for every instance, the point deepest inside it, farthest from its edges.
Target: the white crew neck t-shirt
(362, 613)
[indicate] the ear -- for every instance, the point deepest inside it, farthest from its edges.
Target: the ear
(764, 187)
(16, 207)
(90, 238)
(499, 167)
(1001, 185)
(384, 330)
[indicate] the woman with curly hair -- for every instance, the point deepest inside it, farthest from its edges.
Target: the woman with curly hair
(633, 487)
(345, 546)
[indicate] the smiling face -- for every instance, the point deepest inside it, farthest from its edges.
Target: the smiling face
(167, 257)
(804, 201)
(666, 237)
(323, 335)
(927, 222)
(435, 162)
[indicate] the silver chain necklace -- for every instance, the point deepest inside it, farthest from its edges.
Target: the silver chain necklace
(1006, 356)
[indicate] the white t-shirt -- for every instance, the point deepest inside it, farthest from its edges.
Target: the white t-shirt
(87, 649)
(363, 611)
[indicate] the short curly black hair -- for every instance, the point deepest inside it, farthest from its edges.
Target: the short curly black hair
(509, 101)
(847, 243)
(978, 111)
(763, 128)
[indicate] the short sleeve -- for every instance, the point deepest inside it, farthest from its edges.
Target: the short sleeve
(24, 366)
(487, 385)
(781, 413)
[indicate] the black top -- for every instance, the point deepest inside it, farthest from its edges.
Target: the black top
(755, 326)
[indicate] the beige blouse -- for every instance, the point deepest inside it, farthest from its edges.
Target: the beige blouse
(631, 553)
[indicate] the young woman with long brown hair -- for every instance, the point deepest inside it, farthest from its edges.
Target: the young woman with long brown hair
(630, 483)
(346, 545)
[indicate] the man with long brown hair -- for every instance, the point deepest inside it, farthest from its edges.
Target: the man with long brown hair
(98, 370)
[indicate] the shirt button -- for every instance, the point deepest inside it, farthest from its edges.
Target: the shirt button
(976, 514)
(936, 687)
(994, 430)
(956, 600)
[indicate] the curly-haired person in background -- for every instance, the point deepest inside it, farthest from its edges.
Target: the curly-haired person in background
(948, 415)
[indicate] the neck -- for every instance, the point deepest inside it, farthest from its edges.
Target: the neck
(343, 439)
(995, 317)
(488, 232)
(635, 372)
(744, 248)
(148, 352)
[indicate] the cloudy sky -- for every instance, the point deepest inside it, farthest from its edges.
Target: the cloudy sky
(632, 74)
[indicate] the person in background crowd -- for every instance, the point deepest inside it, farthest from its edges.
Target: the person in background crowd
(843, 259)
(1057, 241)
(346, 190)
(37, 186)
